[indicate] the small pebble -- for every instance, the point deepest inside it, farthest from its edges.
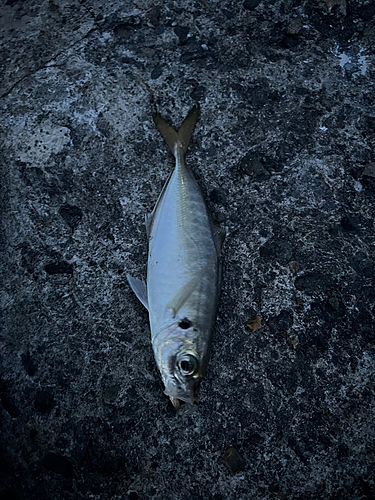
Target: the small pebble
(123, 31)
(254, 167)
(254, 323)
(294, 27)
(157, 71)
(369, 170)
(339, 5)
(289, 41)
(281, 495)
(333, 302)
(347, 225)
(293, 342)
(233, 460)
(198, 93)
(294, 267)
(251, 4)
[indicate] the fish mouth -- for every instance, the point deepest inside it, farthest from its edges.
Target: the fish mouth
(180, 398)
(177, 403)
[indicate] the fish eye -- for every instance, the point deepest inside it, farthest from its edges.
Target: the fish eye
(187, 365)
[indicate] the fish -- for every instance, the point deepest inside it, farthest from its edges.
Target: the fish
(183, 272)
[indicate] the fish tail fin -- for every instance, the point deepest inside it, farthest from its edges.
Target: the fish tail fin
(167, 131)
(187, 128)
(181, 138)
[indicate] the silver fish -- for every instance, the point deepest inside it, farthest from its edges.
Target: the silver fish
(183, 273)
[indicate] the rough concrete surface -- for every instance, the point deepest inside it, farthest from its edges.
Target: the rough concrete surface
(284, 154)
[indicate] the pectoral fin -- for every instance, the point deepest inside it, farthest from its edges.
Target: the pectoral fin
(179, 297)
(139, 288)
(148, 223)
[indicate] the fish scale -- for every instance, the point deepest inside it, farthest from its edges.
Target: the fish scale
(183, 273)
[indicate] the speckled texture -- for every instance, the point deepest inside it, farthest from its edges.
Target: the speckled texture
(283, 152)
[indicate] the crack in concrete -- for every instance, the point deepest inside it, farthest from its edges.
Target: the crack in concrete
(48, 63)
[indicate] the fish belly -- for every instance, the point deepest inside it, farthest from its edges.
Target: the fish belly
(181, 245)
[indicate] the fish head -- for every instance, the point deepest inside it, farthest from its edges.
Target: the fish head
(181, 358)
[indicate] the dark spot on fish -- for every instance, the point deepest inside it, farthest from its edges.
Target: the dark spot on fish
(184, 324)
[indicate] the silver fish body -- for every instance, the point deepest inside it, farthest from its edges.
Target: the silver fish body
(183, 274)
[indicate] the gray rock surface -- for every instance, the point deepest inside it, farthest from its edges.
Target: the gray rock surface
(284, 153)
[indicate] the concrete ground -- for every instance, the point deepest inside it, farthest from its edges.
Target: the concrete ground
(284, 154)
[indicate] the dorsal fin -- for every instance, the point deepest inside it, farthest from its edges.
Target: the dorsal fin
(219, 236)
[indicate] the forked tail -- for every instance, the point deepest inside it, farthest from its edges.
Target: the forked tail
(180, 139)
